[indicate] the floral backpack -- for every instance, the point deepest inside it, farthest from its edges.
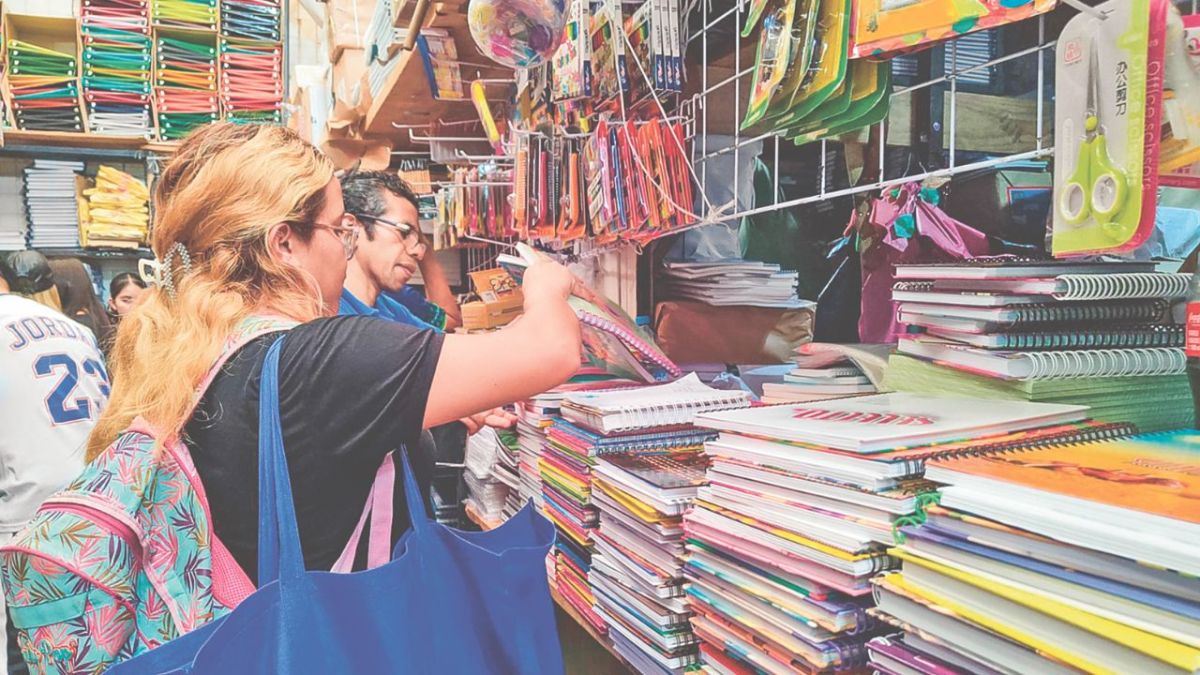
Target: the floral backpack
(125, 558)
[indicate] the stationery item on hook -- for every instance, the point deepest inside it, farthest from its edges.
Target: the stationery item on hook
(479, 98)
(869, 100)
(1180, 143)
(804, 26)
(521, 171)
(829, 63)
(574, 223)
(641, 57)
(572, 61)
(882, 27)
(607, 44)
(439, 55)
(771, 61)
(1109, 78)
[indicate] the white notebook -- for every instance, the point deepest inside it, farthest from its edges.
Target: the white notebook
(1153, 361)
(889, 421)
(663, 405)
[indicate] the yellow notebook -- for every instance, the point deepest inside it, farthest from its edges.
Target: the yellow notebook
(1168, 651)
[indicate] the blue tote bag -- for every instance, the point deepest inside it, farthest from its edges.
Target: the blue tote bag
(448, 602)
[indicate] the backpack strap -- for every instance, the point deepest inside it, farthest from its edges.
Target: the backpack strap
(247, 330)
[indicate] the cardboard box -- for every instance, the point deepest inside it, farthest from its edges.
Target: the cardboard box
(1010, 203)
(347, 22)
(351, 94)
(500, 301)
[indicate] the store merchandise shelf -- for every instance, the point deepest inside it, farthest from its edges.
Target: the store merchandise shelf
(64, 139)
(97, 253)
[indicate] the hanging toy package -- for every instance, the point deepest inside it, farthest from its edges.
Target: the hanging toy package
(1107, 124)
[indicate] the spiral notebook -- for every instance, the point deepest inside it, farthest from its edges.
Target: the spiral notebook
(1007, 267)
(1078, 286)
(1119, 337)
(664, 405)
(1010, 365)
(1041, 315)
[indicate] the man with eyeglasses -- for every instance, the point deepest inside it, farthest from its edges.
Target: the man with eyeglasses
(390, 251)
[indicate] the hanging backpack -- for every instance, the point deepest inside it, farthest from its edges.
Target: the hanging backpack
(125, 559)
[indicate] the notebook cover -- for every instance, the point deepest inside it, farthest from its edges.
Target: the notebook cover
(663, 471)
(1156, 473)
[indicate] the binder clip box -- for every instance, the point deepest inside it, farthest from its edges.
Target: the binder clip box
(500, 300)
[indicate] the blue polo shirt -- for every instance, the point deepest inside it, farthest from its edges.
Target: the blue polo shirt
(385, 308)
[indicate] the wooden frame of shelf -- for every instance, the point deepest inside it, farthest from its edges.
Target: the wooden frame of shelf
(65, 139)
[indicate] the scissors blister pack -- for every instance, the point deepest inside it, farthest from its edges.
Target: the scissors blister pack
(1107, 124)
(117, 57)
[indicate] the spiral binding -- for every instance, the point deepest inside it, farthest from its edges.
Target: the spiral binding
(1143, 336)
(1106, 363)
(1121, 286)
(1104, 432)
(640, 348)
(1127, 311)
(673, 413)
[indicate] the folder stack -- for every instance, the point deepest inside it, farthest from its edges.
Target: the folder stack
(116, 48)
(185, 83)
(188, 14)
(251, 81)
(45, 88)
(115, 212)
(256, 20)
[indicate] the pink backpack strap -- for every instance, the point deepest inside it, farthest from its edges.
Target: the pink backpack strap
(379, 508)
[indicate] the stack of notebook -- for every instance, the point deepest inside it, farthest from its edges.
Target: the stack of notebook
(637, 563)
(1056, 560)
(115, 212)
(1092, 333)
(803, 384)
(256, 20)
(642, 420)
(44, 85)
(50, 204)
(252, 81)
(185, 89)
(802, 503)
(116, 47)
(743, 282)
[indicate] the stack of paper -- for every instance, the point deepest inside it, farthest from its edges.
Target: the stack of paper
(115, 211)
(116, 46)
(187, 14)
(818, 384)
(801, 505)
(1055, 560)
(256, 20)
(252, 81)
(487, 493)
(44, 84)
(637, 564)
(50, 203)
(13, 227)
(741, 282)
(185, 83)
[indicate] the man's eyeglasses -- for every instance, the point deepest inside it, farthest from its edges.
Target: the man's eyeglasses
(407, 232)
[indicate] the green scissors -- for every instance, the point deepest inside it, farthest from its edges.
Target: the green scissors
(1097, 188)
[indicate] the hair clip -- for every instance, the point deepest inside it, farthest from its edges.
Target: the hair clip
(160, 272)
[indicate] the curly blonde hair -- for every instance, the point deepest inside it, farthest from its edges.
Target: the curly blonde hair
(217, 197)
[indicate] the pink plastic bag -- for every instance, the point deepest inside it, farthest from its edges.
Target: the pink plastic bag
(903, 227)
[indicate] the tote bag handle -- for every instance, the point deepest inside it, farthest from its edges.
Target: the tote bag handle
(279, 553)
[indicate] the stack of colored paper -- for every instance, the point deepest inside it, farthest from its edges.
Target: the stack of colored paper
(190, 14)
(116, 46)
(256, 20)
(800, 508)
(1055, 560)
(115, 212)
(44, 84)
(487, 492)
(637, 563)
(252, 81)
(186, 83)
(50, 203)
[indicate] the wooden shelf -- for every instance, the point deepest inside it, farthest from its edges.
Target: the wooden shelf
(66, 139)
(405, 97)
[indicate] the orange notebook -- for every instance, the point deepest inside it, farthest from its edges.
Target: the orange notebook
(1153, 473)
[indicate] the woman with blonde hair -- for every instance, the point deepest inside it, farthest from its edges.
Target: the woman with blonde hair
(249, 222)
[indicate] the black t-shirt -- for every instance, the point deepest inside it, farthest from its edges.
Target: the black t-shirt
(351, 390)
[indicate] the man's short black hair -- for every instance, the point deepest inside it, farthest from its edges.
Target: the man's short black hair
(362, 193)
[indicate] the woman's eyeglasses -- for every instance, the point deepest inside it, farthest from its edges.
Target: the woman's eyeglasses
(347, 234)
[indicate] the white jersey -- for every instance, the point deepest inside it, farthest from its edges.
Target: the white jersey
(52, 387)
